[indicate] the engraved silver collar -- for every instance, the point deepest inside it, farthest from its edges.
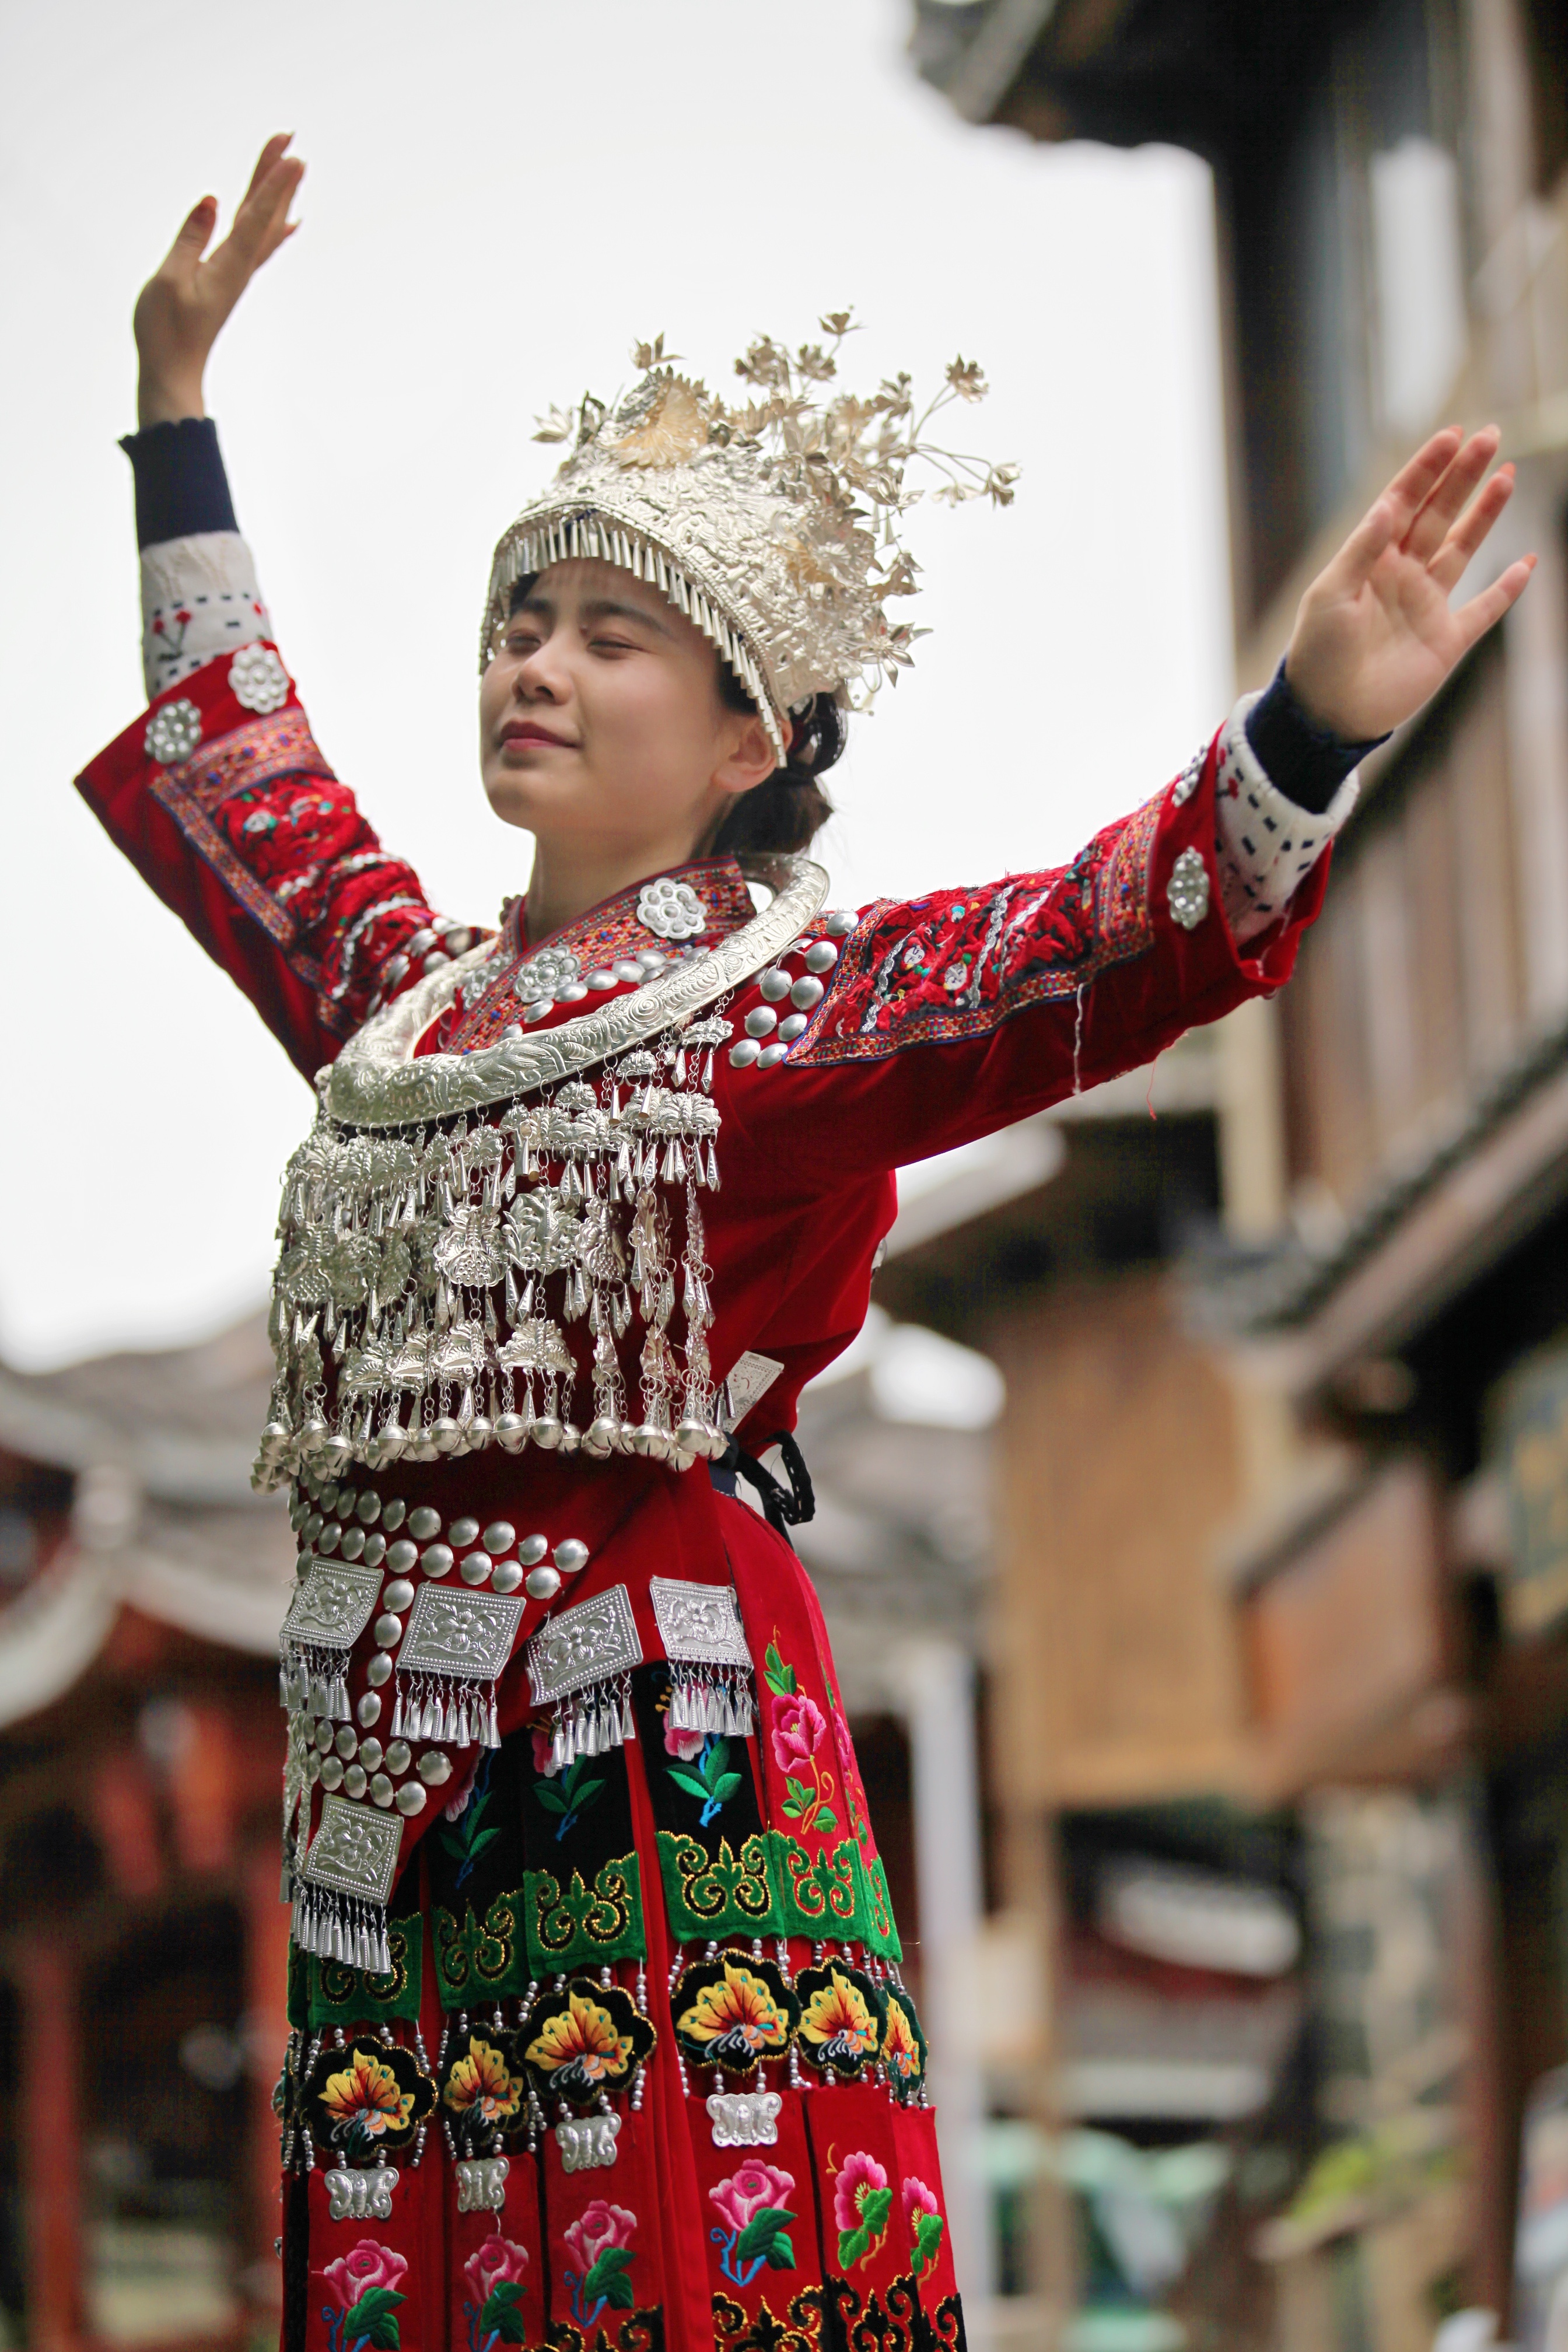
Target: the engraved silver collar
(377, 1082)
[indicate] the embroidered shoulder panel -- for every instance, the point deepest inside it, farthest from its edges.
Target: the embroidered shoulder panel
(265, 810)
(601, 939)
(959, 962)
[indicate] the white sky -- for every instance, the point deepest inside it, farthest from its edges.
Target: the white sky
(500, 199)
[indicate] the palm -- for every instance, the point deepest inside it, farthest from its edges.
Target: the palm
(1375, 635)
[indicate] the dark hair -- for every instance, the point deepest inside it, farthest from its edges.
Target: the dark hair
(786, 811)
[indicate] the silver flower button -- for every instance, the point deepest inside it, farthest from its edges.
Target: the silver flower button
(1187, 891)
(258, 678)
(545, 975)
(174, 732)
(672, 909)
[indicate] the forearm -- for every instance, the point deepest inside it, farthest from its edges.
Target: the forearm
(199, 592)
(222, 800)
(1285, 787)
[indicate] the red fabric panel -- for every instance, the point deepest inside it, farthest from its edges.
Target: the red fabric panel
(264, 855)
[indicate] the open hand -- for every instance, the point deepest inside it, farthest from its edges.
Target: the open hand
(180, 309)
(1374, 634)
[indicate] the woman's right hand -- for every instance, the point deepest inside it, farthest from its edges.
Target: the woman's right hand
(180, 311)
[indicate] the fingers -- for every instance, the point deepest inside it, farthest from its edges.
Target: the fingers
(273, 153)
(1483, 612)
(192, 241)
(266, 202)
(259, 227)
(1375, 531)
(1415, 482)
(1446, 566)
(1396, 510)
(1450, 493)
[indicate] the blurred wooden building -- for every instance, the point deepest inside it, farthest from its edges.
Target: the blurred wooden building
(1392, 1296)
(141, 1939)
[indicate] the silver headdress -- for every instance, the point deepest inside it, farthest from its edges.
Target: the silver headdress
(771, 525)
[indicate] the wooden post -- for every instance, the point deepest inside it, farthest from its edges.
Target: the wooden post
(267, 2031)
(46, 1975)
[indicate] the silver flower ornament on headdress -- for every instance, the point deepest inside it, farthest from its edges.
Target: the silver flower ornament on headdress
(771, 526)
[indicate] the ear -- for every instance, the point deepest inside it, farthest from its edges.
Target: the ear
(751, 760)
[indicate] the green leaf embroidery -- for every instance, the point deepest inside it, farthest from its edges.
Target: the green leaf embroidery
(551, 1799)
(691, 1784)
(780, 1678)
(929, 2228)
(466, 1840)
(852, 2245)
(373, 2320)
(780, 2253)
(875, 2207)
(608, 2278)
(826, 1819)
(501, 2313)
(713, 1763)
(725, 1786)
(760, 2232)
(799, 1790)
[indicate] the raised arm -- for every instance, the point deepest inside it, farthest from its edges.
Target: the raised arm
(219, 794)
(923, 1024)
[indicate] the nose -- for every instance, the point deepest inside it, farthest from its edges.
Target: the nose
(539, 674)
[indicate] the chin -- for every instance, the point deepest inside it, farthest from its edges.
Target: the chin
(512, 807)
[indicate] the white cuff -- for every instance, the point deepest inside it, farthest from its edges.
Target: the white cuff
(1264, 844)
(199, 598)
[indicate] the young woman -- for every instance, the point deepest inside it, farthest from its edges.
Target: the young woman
(599, 2037)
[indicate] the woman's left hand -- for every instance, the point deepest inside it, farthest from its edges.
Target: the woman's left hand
(1374, 635)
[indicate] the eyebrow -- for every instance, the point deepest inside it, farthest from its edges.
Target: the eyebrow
(600, 608)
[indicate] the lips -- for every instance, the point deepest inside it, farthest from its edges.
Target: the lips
(526, 731)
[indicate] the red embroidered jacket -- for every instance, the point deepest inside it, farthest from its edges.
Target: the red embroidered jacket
(946, 1017)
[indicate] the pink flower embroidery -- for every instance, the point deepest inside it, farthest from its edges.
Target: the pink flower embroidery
(544, 1742)
(158, 624)
(601, 2227)
(497, 2262)
(753, 2190)
(918, 2199)
(798, 1726)
(682, 1743)
(366, 2267)
(860, 2176)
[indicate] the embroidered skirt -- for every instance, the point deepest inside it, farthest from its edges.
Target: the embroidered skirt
(643, 2070)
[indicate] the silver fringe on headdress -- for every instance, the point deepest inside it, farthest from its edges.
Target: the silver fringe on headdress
(770, 526)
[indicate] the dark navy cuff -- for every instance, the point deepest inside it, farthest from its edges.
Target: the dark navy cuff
(181, 485)
(1303, 760)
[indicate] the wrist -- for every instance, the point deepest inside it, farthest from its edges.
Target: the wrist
(166, 400)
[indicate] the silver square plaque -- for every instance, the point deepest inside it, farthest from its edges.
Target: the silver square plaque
(459, 1632)
(354, 1852)
(333, 1605)
(750, 1378)
(698, 1621)
(585, 1645)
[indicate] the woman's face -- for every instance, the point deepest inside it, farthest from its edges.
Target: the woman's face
(600, 725)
